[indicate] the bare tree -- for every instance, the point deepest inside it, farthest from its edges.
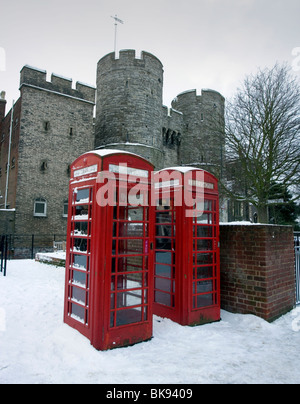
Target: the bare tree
(263, 136)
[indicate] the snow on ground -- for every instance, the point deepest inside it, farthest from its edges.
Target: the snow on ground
(37, 347)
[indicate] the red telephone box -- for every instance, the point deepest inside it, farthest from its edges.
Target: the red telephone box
(187, 263)
(109, 261)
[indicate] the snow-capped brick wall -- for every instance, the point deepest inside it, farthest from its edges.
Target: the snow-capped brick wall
(257, 270)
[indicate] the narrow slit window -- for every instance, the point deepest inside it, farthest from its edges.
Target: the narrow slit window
(46, 126)
(44, 166)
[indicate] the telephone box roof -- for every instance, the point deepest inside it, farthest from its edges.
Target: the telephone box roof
(102, 153)
(184, 170)
(181, 169)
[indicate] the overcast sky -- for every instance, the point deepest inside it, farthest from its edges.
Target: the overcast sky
(201, 43)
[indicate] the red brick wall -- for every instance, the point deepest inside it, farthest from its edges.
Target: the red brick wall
(257, 270)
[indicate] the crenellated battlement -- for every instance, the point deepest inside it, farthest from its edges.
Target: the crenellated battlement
(191, 97)
(189, 94)
(199, 109)
(131, 56)
(37, 78)
(128, 58)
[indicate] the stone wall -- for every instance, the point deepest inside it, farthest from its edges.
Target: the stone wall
(257, 270)
(56, 127)
(7, 221)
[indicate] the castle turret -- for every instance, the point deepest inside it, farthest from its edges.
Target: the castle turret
(129, 104)
(203, 140)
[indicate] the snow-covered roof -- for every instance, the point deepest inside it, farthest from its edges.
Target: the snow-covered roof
(247, 223)
(181, 169)
(108, 152)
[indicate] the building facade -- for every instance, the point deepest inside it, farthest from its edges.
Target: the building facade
(53, 123)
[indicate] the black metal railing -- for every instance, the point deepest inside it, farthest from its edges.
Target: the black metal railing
(19, 246)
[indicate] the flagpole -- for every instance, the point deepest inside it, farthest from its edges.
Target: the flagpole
(116, 26)
(115, 43)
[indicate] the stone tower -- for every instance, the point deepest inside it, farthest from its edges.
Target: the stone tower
(203, 141)
(129, 104)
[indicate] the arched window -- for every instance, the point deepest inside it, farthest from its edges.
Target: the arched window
(179, 139)
(40, 207)
(168, 136)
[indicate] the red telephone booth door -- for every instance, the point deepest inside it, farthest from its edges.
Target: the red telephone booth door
(204, 287)
(167, 298)
(78, 265)
(128, 284)
(187, 274)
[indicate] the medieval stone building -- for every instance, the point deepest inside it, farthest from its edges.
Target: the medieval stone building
(130, 115)
(52, 124)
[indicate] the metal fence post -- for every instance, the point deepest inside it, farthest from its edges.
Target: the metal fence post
(297, 268)
(32, 246)
(5, 255)
(1, 251)
(297, 264)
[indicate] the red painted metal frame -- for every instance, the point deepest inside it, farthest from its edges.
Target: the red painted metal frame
(104, 279)
(190, 289)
